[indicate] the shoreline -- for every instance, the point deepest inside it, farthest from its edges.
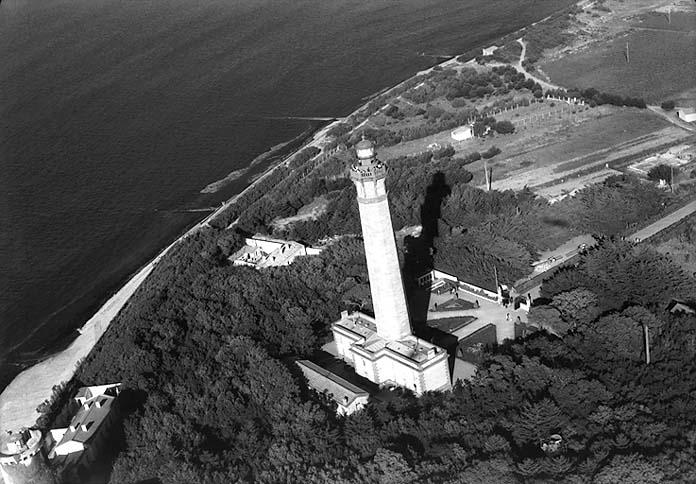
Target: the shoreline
(33, 385)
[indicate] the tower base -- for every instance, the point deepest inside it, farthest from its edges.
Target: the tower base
(409, 362)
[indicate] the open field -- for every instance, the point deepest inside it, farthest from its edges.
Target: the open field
(536, 159)
(580, 168)
(530, 122)
(662, 61)
(555, 141)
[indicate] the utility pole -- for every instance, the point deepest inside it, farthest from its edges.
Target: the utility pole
(488, 175)
(628, 58)
(671, 178)
(647, 344)
(495, 273)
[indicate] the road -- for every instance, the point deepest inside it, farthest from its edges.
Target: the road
(520, 67)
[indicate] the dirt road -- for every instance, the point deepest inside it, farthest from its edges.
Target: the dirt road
(520, 67)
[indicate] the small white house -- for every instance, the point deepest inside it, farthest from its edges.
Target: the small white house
(490, 50)
(463, 133)
(687, 114)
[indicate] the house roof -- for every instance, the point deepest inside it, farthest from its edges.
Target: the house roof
(342, 391)
(95, 404)
(677, 306)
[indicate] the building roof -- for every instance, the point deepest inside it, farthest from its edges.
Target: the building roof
(410, 347)
(95, 404)
(261, 251)
(677, 306)
(341, 391)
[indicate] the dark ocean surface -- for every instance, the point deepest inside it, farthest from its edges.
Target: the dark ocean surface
(115, 114)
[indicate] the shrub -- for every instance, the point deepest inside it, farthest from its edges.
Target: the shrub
(667, 105)
(444, 152)
(470, 158)
(504, 127)
(491, 152)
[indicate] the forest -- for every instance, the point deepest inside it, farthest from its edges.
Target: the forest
(206, 351)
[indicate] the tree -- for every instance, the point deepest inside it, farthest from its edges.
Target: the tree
(388, 467)
(537, 422)
(479, 129)
(616, 336)
(504, 127)
(632, 468)
(577, 307)
(667, 105)
(548, 318)
(662, 172)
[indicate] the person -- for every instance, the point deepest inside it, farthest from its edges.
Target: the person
(477, 304)
(435, 306)
(507, 317)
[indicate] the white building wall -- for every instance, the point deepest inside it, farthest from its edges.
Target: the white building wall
(343, 346)
(364, 367)
(354, 406)
(436, 376)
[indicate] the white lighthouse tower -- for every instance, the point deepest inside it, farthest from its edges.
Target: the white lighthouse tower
(386, 285)
(383, 349)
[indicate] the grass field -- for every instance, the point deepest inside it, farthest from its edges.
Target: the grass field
(662, 62)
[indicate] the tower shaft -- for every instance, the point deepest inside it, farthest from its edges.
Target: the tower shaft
(386, 284)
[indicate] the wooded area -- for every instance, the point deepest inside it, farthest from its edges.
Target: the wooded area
(205, 349)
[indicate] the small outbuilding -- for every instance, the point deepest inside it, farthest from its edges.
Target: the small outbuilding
(687, 114)
(490, 50)
(463, 133)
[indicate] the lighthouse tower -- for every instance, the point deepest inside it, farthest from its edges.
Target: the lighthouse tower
(22, 460)
(383, 349)
(386, 285)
